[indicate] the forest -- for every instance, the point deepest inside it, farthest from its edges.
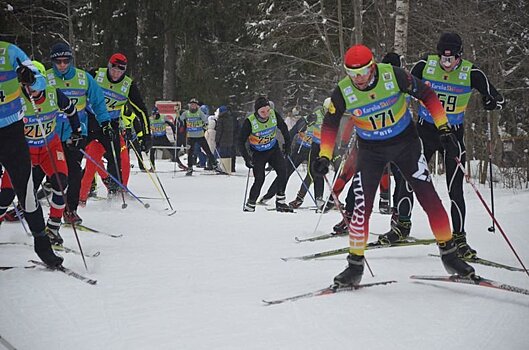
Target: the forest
(229, 52)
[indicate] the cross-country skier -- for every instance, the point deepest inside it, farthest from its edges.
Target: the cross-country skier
(375, 95)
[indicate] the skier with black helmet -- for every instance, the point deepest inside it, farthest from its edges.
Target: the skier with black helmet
(375, 96)
(452, 78)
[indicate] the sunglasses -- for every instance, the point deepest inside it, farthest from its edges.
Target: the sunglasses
(119, 67)
(448, 60)
(62, 60)
(354, 72)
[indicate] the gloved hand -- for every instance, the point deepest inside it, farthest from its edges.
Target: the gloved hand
(320, 166)
(489, 102)
(449, 141)
(146, 143)
(75, 141)
(128, 135)
(25, 75)
(108, 130)
(248, 162)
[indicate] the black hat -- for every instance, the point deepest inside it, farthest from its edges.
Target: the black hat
(60, 49)
(450, 44)
(392, 58)
(261, 102)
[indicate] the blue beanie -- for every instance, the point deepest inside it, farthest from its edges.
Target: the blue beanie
(60, 49)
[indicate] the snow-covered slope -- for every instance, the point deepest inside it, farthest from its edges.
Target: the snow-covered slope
(195, 280)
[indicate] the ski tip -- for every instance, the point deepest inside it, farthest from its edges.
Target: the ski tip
(172, 213)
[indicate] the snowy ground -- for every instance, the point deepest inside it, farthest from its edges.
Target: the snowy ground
(195, 280)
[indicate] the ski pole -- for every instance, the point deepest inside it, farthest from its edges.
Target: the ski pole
(56, 173)
(159, 181)
(146, 205)
(469, 180)
(489, 136)
(118, 172)
(143, 164)
(246, 189)
(302, 182)
(19, 216)
(337, 204)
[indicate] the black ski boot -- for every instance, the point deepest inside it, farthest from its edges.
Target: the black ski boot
(319, 203)
(452, 263)
(281, 206)
(52, 230)
(352, 275)
(189, 171)
(400, 230)
(463, 249)
(249, 206)
(383, 204)
(45, 253)
(296, 203)
(341, 227)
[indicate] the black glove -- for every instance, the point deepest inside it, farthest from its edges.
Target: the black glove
(449, 141)
(489, 102)
(146, 143)
(25, 75)
(248, 162)
(75, 141)
(108, 130)
(320, 166)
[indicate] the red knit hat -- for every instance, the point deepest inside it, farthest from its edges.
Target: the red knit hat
(118, 58)
(357, 56)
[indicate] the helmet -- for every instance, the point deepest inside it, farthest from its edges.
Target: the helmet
(358, 56)
(450, 44)
(118, 59)
(327, 103)
(60, 49)
(393, 58)
(40, 67)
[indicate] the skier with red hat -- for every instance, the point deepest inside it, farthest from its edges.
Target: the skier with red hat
(118, 89)
(375, 96)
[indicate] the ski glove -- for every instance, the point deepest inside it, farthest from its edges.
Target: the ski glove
(25, 75)
(489, 102)
(75, 141)
(146, 143)
(320, 167)
(449, 141)
(248, 162)
(108, 130)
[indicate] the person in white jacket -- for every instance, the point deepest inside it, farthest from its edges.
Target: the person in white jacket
(211, 132)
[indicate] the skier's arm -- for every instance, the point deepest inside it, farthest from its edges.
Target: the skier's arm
(492, 99)
(68, 108)
(282, 126)
(331, 124)
(97, 100)
(138, 107)
(18, 57)
(245, 132)
(412, 85)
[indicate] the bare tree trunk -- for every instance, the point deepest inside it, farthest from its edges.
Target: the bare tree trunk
(141, 28)
(401, 26)
(357, 10)
(71, 37)
(340, 29)
(169, 55)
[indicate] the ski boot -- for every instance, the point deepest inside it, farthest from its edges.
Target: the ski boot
(296, 203)
(281, 206)
(52, 230)
(341, 227)
(249, 206)
(319, 203)
(452, 263)
(329, 206)
(463, 249)
(264, 200)
(189, 171)
(72, 217)
(182, 167)
(93, 189)
(352, 275)
(111, 186)
(383, 204)
(44, 251)
(400, 230)
(11, 215)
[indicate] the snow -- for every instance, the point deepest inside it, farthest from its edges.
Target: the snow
(195, 280)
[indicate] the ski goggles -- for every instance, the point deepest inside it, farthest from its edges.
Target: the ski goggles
(448, 61)
(354, 72)
(66, 60)
(119, 67)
